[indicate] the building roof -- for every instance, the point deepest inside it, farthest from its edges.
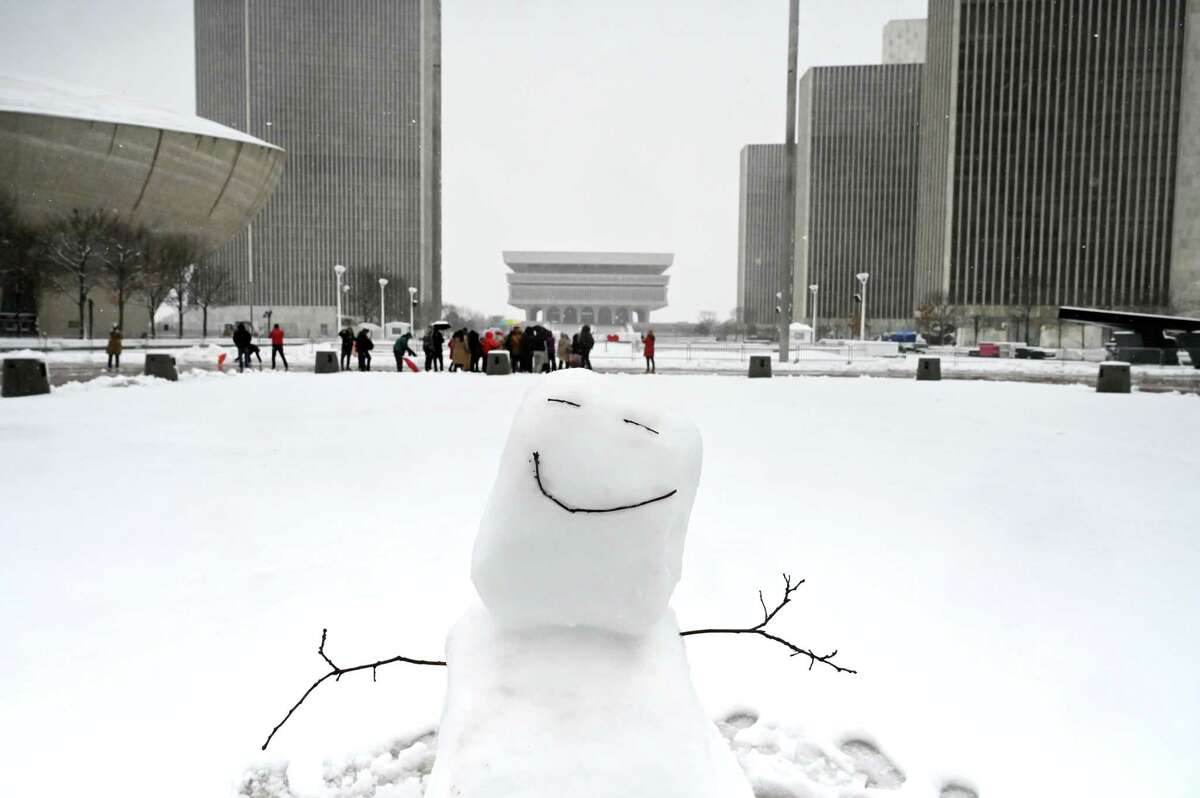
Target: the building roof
(656, 261)
(47, 98)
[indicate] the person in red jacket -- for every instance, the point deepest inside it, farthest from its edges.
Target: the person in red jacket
(277, 347)
(648, 351)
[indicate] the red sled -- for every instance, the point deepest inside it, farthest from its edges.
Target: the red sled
(410, 364)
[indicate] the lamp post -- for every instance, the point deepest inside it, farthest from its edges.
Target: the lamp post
(862, 324)
(383, 281)
(339, 270)
(346, 293)
(412, 303)
(813, 290)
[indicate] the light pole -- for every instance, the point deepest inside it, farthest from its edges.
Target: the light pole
(813, 290)
(383, 281)
(862, 324)
(346, 292)
(339, 270)
(412, 303)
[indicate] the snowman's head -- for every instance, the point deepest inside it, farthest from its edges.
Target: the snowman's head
(586, 522)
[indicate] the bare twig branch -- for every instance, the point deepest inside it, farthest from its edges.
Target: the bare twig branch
(338, 673)
(769, 615)
(758, 629)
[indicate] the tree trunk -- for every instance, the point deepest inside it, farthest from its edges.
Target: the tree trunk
(121, 309)
(180, 331)
(204, 322)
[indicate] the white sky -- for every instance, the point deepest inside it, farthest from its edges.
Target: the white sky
(567, 124)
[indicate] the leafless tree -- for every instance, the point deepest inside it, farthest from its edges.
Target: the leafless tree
(74, 246)
(937, 317)
(759, 629)
(123, 263)
(170, 262)
(212, 284)
(181, 260)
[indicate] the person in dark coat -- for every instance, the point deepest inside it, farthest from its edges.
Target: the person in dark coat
(549, 342)
(475, 347)
(401, 348)
(347, 336)
(364, 344)
(586, 342)
(529, 341)
(241, 339)
(439, 341)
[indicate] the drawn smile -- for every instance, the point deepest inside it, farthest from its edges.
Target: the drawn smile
(537, 475)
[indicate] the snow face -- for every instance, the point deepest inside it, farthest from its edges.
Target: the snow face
(586, 522)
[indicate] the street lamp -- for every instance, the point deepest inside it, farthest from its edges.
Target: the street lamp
(383, 281)
(339, 270)
(412, 303)
(813, 290)
(862, 324)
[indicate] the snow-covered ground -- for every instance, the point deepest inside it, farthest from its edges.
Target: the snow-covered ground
(1011, 567)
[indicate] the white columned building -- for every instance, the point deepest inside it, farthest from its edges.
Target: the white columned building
(597, 288)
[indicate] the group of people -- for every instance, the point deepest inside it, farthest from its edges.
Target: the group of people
(243, 341)
(360, 344)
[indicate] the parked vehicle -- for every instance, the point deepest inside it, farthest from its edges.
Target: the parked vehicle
(985, 350)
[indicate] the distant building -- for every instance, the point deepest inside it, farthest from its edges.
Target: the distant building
(856, 193)
(604, 288)
(764, 231)
(352, 91)
(1053, 170)
(67, 148)
(904, 41)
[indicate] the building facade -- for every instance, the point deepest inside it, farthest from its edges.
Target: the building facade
(352, 91)
(598, 288)
(904, 41)
(856, 194)
(764, 235)
(1053, 170)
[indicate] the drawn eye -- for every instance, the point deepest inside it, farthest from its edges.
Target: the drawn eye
(564, 402)
(643, 426)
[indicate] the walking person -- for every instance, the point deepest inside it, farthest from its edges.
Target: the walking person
(347, 336)
(113, 350)
(241, 339)
(277, 347)
(438, 342)
(427, 348)
(564, 351)
(586, 342)
(648, 351)
(475, 348)
(364, 345)
(400, 349)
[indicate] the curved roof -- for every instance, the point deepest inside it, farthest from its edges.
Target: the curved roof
(24, 96)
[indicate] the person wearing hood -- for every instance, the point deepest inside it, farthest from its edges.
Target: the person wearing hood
(347, 336)
(242, 340)
(648, 351)
(113, 350)
(400, 349)
(514, 347)
(586, 342)
(564, 351)
(364, 345)
(475, 348)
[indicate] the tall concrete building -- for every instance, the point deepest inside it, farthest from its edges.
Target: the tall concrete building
(1059, 161)
(904, 41)
(352, 91)
(763, 231)
(856, 193)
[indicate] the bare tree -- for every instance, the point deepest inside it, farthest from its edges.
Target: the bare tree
(937, 317)
(181, 261)
(212, 284)
(123, 262)
(19, 275)
(170, 262)
(74, 245)
(759, 630)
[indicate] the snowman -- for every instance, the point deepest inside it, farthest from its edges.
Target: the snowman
(568, 678)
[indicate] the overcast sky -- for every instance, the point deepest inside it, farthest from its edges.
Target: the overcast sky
(568, 124)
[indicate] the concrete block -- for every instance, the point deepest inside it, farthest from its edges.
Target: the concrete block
(326, 363)
(929, 368)
(1113, 378)
(540, 361)
(161, 366)
(760, 366)
(25, 376)
(498, 363)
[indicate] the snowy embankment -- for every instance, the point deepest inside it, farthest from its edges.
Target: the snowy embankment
(1011, 568)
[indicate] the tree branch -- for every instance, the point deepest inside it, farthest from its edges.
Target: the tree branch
(768, 616)
(758, 629)
(338, 673)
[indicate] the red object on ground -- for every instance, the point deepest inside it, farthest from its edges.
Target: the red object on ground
(989, 350)
(411, 364)
(221, 361)
(277, 336)
(613, 338)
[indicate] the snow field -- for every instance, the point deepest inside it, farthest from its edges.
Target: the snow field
(1011, 568)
